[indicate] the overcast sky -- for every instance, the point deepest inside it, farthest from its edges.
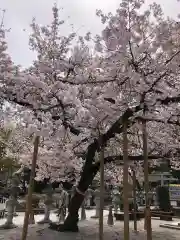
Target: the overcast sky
(19, 14)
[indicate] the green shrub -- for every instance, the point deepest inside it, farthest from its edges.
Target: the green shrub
(163, 198)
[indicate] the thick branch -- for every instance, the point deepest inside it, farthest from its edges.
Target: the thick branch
(177, 123)
(169, 100)
(94, 147)
(117, 126)
(45, 109)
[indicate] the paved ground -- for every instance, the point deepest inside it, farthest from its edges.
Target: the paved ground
(88, 230)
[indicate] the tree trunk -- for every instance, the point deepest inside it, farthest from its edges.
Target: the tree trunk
(90, 169)
(70, 223)
(87, 175)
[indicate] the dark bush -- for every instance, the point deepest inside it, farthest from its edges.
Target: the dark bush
(163, 198)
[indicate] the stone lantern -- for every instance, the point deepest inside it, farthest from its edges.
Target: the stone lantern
(11, 204)
(48, 203)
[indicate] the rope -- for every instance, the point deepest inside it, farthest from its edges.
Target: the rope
(79, 191)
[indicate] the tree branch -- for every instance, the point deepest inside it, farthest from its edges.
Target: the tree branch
(177, 123)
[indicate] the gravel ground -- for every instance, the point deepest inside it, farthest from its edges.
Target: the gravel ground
(88, 230)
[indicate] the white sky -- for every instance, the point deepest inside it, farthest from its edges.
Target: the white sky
(19, 14)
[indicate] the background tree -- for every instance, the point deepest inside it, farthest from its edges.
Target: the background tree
(8, 162)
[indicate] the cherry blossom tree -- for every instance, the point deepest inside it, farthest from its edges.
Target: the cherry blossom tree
(142, 63)
(71, 91)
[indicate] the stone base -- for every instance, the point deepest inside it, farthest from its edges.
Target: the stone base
(174, 225)
(38, 211)
(120, 216)
(8, 226)
(165, 216)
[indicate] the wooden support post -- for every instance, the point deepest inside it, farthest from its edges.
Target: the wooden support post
(134, 200)
(101, 210)
(30, 189)
(125, 182)
(147, 219)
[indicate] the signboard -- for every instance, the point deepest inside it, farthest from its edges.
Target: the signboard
(174, 192)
